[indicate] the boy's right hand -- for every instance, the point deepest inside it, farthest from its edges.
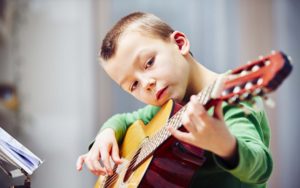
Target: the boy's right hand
(104, 148)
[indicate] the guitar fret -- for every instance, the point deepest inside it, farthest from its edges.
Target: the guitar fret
(200, 96)
(203, 95)
(207, 95)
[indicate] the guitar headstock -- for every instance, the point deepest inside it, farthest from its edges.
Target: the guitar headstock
(256, 78)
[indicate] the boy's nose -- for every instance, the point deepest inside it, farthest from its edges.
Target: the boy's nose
(150, 83)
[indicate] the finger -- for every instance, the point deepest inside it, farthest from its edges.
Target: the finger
(88, 164)
(188, 122)
(92, 161)
(197, 124)
(115, 154)
(218, 111)
(79, 162)
(194, 98)
(197, 107)
(205, 118)
(97, 168)
(105, 158)
(183, 136)
(189, 116)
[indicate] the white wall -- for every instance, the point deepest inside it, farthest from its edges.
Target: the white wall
(57, 77)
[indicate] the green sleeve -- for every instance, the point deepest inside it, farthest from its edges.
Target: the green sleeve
(120, 122)
(254, 162)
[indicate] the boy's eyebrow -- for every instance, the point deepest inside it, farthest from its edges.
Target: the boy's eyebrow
(136, 60)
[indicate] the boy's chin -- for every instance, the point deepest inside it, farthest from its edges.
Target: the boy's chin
(162, 102)
(158, 103)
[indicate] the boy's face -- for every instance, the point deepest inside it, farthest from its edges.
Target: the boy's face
(150, 69)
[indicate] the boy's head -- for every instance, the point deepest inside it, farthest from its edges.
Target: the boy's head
(146, 23)
(147, 58)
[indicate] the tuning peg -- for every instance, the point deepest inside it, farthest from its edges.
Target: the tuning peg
(260, 81)
(225, 92)
(236, 89)
(269, 102)
(245, 96)
(248, 85)
(233, 99)
(244, 72)
(267, 63)
(257, 91)
(255, 68)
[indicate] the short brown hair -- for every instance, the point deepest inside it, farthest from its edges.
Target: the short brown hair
(146, 22)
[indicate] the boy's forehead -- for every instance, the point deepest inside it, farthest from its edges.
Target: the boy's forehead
(130, 49)
(130, 34)
(133, 44)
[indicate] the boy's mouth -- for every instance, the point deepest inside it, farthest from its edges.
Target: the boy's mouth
(160, 93)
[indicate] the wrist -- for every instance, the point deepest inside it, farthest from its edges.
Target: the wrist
(105, 131)
(229, 153)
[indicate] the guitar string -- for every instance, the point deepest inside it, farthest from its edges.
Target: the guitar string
(110, 179)
(107, 180)
(113, 177)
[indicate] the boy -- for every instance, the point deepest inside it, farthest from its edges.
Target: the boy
(152, 62)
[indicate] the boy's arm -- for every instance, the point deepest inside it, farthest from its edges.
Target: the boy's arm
(253, 158)
(106, 146)
(120, 122)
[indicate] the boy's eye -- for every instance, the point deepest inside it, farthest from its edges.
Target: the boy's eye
(149, 63)
(133, 86)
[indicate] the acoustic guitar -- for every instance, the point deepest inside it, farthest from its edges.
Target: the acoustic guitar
(154, 158)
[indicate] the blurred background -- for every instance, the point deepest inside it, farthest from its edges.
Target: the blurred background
(54, 96)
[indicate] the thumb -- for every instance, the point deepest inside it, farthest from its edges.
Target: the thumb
(80, 162)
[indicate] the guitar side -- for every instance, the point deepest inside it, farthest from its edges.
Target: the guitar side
(136, 134)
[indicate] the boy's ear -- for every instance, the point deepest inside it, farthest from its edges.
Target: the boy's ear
(181, 41)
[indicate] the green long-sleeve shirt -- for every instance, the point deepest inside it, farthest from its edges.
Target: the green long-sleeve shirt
(254, 161)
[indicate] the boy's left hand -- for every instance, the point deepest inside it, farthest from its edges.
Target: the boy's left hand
(206, 132)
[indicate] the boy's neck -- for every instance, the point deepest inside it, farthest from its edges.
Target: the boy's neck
(200, 77)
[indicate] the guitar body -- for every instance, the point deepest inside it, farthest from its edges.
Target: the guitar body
(171, 165)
